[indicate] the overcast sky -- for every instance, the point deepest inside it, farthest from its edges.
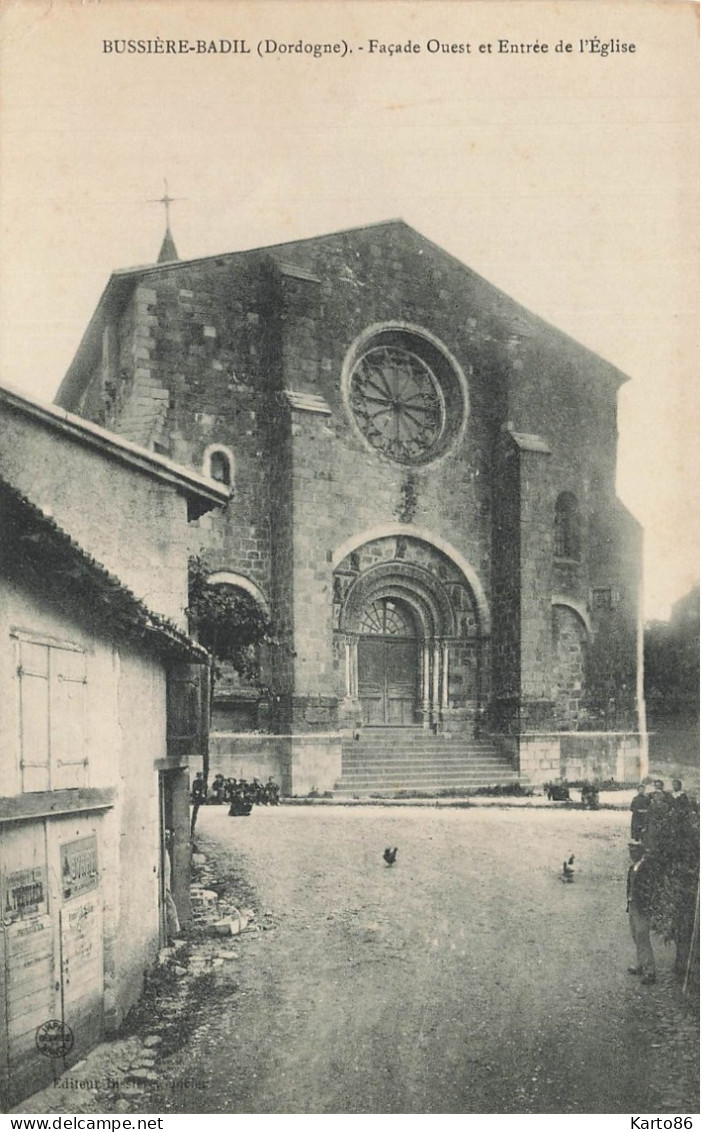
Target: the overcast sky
(568, 180)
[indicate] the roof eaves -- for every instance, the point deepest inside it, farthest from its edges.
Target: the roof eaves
(265, 249)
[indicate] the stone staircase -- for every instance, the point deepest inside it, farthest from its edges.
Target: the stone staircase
(388, 760)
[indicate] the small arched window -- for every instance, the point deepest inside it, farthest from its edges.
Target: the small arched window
(567, 527)
(218, 465)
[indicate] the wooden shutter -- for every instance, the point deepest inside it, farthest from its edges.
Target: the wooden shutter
(188, 710)
(69, 756)
(33, 672)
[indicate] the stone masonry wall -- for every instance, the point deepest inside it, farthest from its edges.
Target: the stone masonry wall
(583, 756)
(569, 644)
(189, 372)
(536, 557)
(506, 603)
(369, 278)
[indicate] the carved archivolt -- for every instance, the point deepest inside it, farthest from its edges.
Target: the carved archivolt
(415, 573)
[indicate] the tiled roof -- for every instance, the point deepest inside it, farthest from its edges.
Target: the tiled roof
(34, 548)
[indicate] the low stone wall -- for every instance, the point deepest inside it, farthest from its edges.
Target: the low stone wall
(593, 755)
(315, 763)
(299, 764)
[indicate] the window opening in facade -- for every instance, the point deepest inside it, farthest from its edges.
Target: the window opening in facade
(602, 598)
(52, 717)
(220, 468)
(567, 527)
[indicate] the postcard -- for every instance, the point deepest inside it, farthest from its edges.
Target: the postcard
(350, 618)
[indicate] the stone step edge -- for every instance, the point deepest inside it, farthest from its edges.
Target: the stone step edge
(423, 752)
(354, 774)
(417, 756)
(458, 790)
(485, 776)
(445, 780)
(421, 748)
(456, 759)
(419, 736)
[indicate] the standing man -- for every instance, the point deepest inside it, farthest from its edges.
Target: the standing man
(198, 789)
(681, 801)
(198, 795)
(638, 894)
(639, 807)
(657, 830)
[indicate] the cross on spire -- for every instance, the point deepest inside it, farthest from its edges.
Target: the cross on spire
(168, 248)
(166, 201)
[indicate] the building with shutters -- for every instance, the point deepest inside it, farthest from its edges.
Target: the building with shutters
(423, 503)
(102, 700)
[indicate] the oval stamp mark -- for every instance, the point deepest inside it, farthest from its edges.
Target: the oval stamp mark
(54, 1038)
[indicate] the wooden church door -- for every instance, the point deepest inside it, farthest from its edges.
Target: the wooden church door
(388, 656)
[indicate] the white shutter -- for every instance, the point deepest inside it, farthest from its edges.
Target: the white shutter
(69, 763)
(33, 675)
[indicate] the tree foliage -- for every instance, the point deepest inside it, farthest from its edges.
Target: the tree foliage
(672, 841)
(226, 620)
(672, 666)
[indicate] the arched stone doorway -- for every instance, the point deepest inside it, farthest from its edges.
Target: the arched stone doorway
(237, 704)
(407, 637)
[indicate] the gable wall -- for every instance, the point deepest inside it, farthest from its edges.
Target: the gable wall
(132, 524)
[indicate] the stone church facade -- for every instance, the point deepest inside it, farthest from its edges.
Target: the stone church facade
(423, 504)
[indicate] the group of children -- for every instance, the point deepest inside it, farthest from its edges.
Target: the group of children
(648, 805)
(228, 791)
(650, 813)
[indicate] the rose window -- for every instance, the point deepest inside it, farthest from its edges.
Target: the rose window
(398, 403)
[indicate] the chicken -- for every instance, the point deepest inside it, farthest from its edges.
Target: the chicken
(389, 856)
(568, 874)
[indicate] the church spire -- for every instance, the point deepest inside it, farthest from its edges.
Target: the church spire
(168, 250)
